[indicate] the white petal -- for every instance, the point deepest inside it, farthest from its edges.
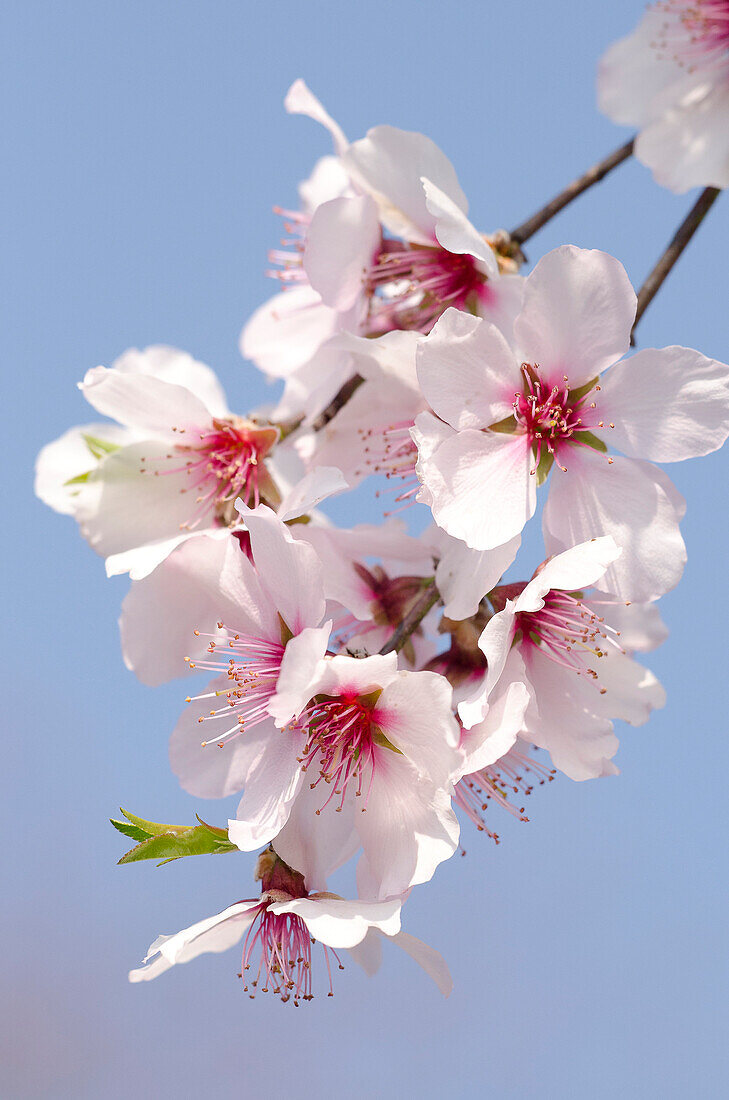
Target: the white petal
(496, 645)
(301, 101)
(286, 331)
(633, 71)
(337, 922)
(368, 953)
(581, 566)
(464, 576)
(481, 488)
(488, 741)
(454, 231)
(214, 934)
(623, 499)
(667, 405)
(640, 625)
(289, 569)
(415, 714)
(340, 247)
(428, 958)
(300, 665)
(467, 371)
(179, 368)
(317, 843)
(319, 484)
(144, 402)
(69, 457)
(328, 180)
(631, 691)
(272, 784)
(579, 308)
(687, 145)
(388, 164)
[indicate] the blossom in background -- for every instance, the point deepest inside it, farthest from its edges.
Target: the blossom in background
(281, 926)
(559, 640)
(382, 242)
(670, 79)
(511, 411)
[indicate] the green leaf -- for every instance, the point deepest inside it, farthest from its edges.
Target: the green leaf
(80, 479)
(168, 842)
(99, 447)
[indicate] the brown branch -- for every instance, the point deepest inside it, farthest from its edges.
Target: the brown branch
(528, 228)
(680, 239)
(414, 617)
(340, 399)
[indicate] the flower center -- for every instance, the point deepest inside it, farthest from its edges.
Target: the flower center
(553, 416)
(410, 286)
(284, 943)
(253, 673)
(569, 633)
(695, 34)
(341, 742)
(223, 461)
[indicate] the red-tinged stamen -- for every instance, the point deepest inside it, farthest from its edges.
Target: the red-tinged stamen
(252, 672)
(388, 450)
(224, 461)
(514, 773)
(695, 35)
(341, 744)
(284, 965)
(552, 417)
(570, 633)
(288, 269)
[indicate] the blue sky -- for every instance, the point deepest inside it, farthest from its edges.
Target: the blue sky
(144, 146)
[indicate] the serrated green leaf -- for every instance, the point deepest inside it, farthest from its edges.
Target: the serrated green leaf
(195, 841)
(154, 828)
(99, 448)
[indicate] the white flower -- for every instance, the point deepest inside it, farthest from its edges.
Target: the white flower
(670, 78)
(509, 412)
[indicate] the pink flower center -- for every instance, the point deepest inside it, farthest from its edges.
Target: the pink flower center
(224, 461)
(388, 450)
(341, 743)
(282, 944)
(253, 673)
(552, 417)
(515, 773)
(410, 286)
(569, 633)
(695, 34)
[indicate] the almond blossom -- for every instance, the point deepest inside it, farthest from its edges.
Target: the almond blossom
(513, 414)
(281, 927)
(558, 640)
(382, 242)
(670, 79)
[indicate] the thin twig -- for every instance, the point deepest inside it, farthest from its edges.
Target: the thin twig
(681, 238)
(340, 399)
(414, 617)
(528, 228)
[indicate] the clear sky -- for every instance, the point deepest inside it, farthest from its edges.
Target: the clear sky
(144, 145)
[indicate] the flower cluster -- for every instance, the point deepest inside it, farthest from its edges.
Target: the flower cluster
(367, 692)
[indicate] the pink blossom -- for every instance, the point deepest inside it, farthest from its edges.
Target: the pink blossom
(509, 413)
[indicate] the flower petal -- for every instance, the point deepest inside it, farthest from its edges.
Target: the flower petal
(214, 934)
(464, 576)
(340, 246)
(177, 367)
(301, 101)
(143, 402)
(454, 231)
(338, 922)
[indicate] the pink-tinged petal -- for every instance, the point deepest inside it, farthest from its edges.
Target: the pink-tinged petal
(408, 826)
(286, 331)
(687, 144)
(631, 691)
(177, 367)
(427, 434)
(301, 101)
(309, 388)
(626, 500)
(488, 741)
(342, 240)
(214, 934)
(481, 487)
(415, 714)
(579, 567)
(454, 231)
(209, 771)
(579, 308)
(390, 357)
(319, 484)
(71, 457)
(431, 961)
(135, 508)
(388, 164)
(299, 670)
(501, 302)
(272, 784)
(342, 675)
(328, 180)
(143, 402)
(496, 645)
(563, 721)
(157, 625)
(467, 371)
(368, 953)
(317, 843)
(289, 569)
(667, 405)
(464, 576)
(337, 922)
(632, 72)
